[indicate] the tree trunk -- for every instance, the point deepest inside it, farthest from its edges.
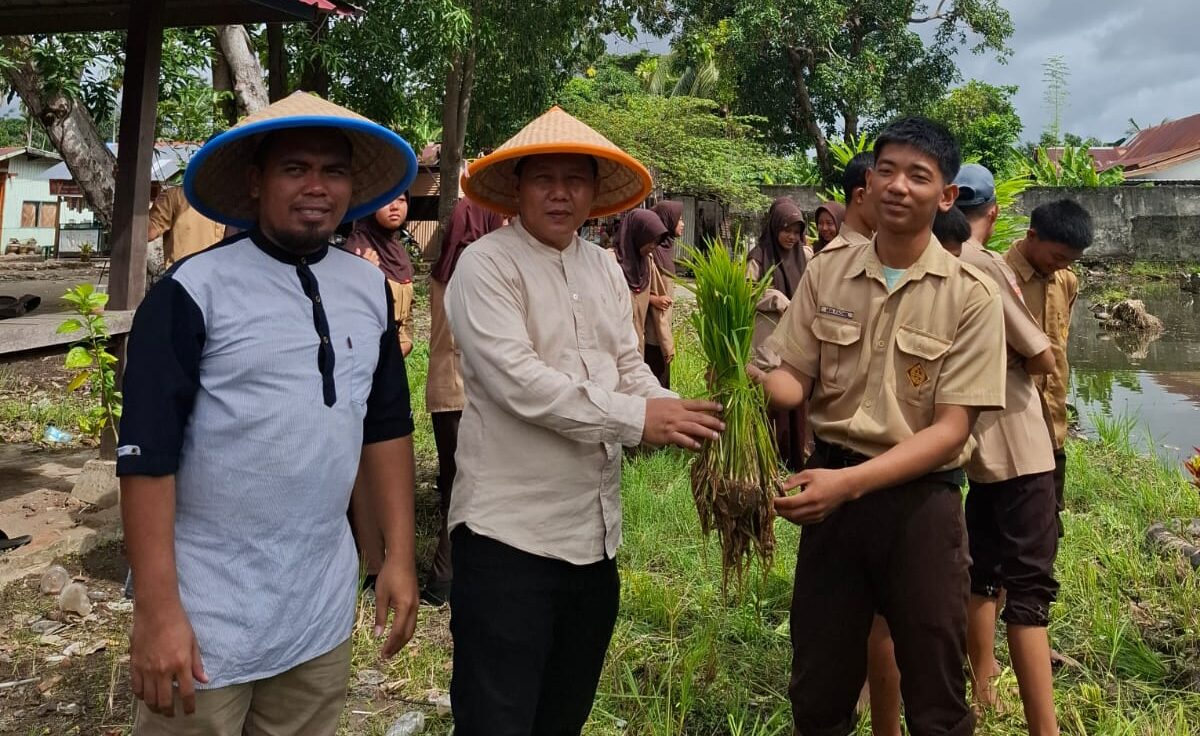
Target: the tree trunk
(456, 107)
(314, 77)
(276, 68)
(69, 126)
(223, 82)
(808, 117)
(244, 69)
(850, 127)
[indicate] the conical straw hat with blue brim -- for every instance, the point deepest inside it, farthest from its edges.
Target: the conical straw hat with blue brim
(624, 181)
(382, 164)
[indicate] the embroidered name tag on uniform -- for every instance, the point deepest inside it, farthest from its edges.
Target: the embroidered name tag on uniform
(917, 375)
(834, 312)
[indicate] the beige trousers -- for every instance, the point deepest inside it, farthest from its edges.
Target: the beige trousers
(307, 700)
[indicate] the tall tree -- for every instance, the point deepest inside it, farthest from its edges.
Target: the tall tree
(830, 64)
(1054, 75)
(984, 120)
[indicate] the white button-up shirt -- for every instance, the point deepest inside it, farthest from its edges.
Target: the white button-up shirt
(555, 386)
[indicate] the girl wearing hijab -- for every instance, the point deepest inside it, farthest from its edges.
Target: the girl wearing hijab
(829, 223)
(780, 250)
(641, 233)
(660, 342)
(381, 239)
(444, 397)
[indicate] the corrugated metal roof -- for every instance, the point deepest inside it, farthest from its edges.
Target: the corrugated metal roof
(1162, 146)
(1105, 156)
(169, 160)
(8, 152)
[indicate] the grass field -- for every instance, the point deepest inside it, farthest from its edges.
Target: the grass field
(684, 660)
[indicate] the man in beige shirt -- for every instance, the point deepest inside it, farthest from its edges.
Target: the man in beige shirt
(184, 230)
(555, 386)
(1059, 233)
(859, 223)
(1010, 508)
(896, 346)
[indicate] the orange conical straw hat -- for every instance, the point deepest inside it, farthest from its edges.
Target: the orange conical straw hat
(624, 182)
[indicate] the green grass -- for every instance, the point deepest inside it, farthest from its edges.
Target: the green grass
(685, 660)
(24, 415)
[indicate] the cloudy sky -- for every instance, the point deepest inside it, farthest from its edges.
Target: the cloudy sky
(1127, 58)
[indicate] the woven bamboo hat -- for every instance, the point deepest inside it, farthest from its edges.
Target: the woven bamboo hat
(382, 164)
(624, 182)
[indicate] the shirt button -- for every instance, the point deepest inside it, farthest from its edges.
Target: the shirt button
(303, 260)
(868, 403)
(879, 344)
(575, 297)
(317, 298)
(325, 339)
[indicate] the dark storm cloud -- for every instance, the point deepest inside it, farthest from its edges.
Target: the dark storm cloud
(1127, 59)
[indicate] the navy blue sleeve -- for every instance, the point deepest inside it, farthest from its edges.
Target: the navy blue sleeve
(162, 376)
(389, 409)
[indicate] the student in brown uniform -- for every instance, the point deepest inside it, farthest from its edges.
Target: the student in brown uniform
(1010, 507)
(779, 251)
(660, 342)
(858, 222)
(1059, 232)
(444, 397)
(641, 232)
(896, 347)
(381, 238)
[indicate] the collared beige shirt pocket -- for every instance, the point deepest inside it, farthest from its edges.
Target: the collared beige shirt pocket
(839, 354)
(918, 364)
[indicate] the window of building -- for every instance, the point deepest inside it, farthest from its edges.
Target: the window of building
(39, 214)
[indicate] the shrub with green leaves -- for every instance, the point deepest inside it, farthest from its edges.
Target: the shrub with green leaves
(90, 357)
(738, 474)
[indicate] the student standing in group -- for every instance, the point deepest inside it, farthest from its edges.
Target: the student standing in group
(444, 396)
(858, 222)
(262, 374)
(641, 233)
(1010, 507)
(779, 251)
(829, 217)
(1059, 232)
(660, 341)
(895, 346)
(555, 387)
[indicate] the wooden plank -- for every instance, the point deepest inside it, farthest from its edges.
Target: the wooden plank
(39, 331)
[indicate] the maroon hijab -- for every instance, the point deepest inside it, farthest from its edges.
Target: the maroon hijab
(788, 263)
(670, 213)
(393, 256)
(638, 228)
(468, 222)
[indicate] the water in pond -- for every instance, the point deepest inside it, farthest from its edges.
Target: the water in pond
(1156, 381)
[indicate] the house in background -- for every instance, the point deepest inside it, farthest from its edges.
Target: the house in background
(28, 209)
(1169, 152)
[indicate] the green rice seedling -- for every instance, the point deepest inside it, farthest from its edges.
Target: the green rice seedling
(737, 475)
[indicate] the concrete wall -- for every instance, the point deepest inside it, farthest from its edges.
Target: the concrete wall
(1153, 223)
(1160, 223)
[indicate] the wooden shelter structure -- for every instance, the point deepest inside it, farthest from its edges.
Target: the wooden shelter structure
(144, 22)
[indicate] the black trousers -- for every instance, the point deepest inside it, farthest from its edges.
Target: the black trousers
(445, 436)
(530, 635)
(901, 552)
(1060, 487)
(1013, 542)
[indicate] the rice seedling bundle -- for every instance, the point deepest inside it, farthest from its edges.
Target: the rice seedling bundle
(736, 476)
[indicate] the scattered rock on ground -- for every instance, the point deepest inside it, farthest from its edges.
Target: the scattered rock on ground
(1129, 314)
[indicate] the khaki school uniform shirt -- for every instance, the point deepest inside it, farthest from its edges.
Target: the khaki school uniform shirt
(846, 236)
(402, 299)
(555, 386)
(882, 361)
(1013, 442)
(444, 384)
(1050, 300)
(185, 231)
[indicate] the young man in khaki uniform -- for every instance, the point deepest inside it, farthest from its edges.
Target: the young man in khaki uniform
(1058, 234)
(1010, 508)
(859, 225)
(184, 230)
(896, 346)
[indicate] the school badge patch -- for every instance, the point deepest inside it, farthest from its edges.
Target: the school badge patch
(917, 375)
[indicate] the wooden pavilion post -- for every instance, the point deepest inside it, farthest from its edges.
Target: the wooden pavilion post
(135, 152)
